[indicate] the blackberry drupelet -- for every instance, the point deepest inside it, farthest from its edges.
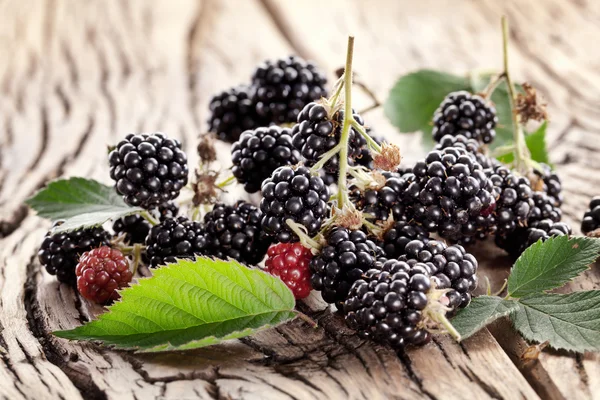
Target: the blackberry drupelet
(149, 169)
(347, 255)
(297, 195)
(232, 112)
(591, 218)
(450, 267)
(136, 228)
(388, 305)
(470, 145)
(451, 195)
(463, 113)
(234, 231)
(551, 184)
(399, 235)
(59, 252)
(514, 202)
(379, 204)
(523, 237)
(175, 238)
(259, 152)
(316, 133)
(283, 87)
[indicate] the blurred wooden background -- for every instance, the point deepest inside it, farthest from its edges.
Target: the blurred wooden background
(76, 75)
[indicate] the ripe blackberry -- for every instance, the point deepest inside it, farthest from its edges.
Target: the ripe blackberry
(462, 113)
(234, 231)
(283, 87)
(60, 252)
(149, 169)
(514, 202)
(259, 152)
(450, 267)
(175, 238)
(472, 146)
(289, 262)
(451, 195)
(293, 194)
(232, 112)
(389, 304)
(551, 184)
(347, 255)
(136, 228)
(101, 272)
(591, 218)
(399, 235)
(544, 208)
(379, 203)
(519, 240)
(316, 133)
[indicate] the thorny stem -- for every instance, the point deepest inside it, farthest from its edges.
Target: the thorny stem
(370, 141)
(342, 189)
(522, 155)
(148, 217)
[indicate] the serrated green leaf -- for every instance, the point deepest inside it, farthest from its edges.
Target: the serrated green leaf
(536, 143)
(482, 311)
(80, 202)
(550, 264)
(567, 321)
(191, 304)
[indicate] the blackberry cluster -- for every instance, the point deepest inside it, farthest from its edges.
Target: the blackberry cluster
(551, 184)
(450, 267)
(136, 228)
(514, 202)
(59, 252)
(516, 243)
(591, 218)
(149, 169)
(544, 208)
(293, 194)
(347, 255)
(259, 152)
(472, 146)
(387, 305)
(378, 204)
(283, 87)
(451, 194)
(232, 112)
(234, 231)
(315, 134)
(175, 238)
(399, 235)
(462, 113)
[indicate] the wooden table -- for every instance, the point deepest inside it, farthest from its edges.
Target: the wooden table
(77, 75)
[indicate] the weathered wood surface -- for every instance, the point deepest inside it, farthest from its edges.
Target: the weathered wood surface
(75, 75)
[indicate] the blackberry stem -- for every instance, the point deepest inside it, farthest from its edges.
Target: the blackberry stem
(225, 182)
(324, 158)
(370, 141)
(137, 256)
(342, 197)
(488, 91)
(305, 240)
(313, 324)
(148, 217)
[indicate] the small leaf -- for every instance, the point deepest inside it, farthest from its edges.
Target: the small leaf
(482, 311)
(550, 264)
(191, 304)
(567, 321)
(536, 143)
(80, 202)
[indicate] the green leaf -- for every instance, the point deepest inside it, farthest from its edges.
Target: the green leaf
(536, 143)
(482, 311)
(550, 264)
(80, 202)
(191, 304)
(567, 321)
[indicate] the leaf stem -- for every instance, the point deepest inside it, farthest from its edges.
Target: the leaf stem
(348, 118)
(148, 217)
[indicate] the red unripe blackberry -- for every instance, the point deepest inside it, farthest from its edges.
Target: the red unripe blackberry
(101, 272)
(289, 262)
(283, 87)
(591, 218)
(462, 113)
(259, 152)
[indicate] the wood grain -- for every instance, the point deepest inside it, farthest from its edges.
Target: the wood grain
(75, 76)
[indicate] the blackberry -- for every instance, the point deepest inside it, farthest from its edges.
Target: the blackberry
(450, 267)
(347, 255)
(289, 262)
(514, 202)
(234, 231)
(59, 252)
(544, 208)
(551, 184)
(518, 241)
(175, 238)
(378, 204)
(462, 113)
(316, 133)
(472, 146)
(399, 235)
(283, 87)
(259, 152)
(232, 112)
(591, 218)
(101, 272)
(136, 228)
(389, 305)
(293, 194)
(149, 169)
(450, 194)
